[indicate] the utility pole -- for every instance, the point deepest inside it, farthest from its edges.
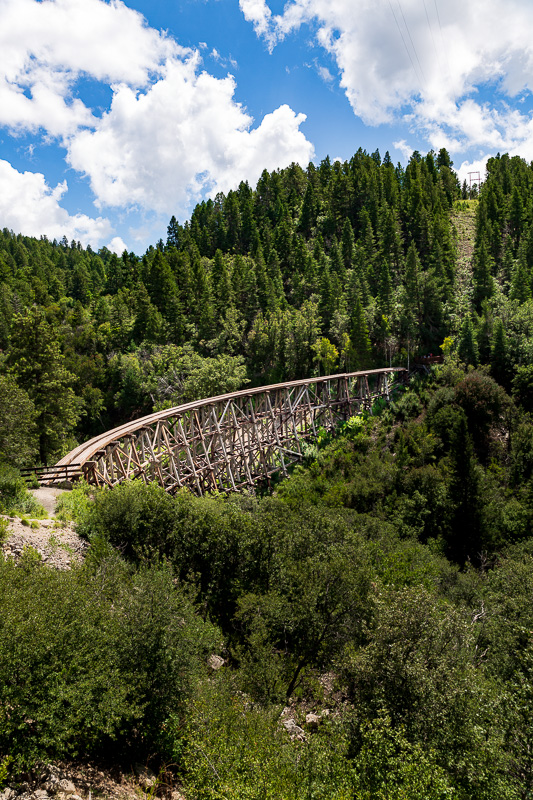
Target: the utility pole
(474, 180)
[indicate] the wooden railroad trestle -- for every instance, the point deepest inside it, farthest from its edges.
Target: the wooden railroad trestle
(230, 442)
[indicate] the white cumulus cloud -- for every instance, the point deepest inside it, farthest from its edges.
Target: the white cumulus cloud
(424, 62)
(172, 131)
(46, 46)
(161, 149)
(31, 207)
(117, 245)
(259, 14)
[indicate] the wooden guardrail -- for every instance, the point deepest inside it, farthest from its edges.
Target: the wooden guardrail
(54, 475)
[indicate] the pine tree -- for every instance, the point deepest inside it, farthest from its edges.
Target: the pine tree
(232, 223)
(508, 262)
(467, 345)
(483, 282)
(251, 305)
(308, 212)
(275, 280)
(221, 283)
(36, 362)
(180, 266)
(203, 311)
(336, 261)
(359, 338)
(114, 275)
(347, 245)
(516, 217)
(464, 538)
(238, 281)
(327, 299)
(249, 231)
(499, 355)
(384, 288)
(520, 280)
(412, 283)
(265, 294)
(173, 233)
(390, 241)
(149, 323)
(161, 286)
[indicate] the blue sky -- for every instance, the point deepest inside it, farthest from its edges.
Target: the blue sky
(116, 115)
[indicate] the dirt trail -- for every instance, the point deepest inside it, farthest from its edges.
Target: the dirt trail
(47, 497)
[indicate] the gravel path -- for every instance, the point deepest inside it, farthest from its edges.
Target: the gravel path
(47, 497)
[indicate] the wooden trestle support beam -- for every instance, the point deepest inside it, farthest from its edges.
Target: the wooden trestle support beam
(230, 442)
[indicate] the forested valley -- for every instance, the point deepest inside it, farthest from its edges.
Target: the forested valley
(364, 629)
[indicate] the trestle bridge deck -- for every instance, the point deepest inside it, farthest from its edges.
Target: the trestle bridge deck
(225, 443)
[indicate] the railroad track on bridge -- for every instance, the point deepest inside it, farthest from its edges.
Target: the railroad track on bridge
(225, 443)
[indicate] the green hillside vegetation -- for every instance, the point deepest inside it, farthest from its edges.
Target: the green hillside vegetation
(337, 267)
(384, 587)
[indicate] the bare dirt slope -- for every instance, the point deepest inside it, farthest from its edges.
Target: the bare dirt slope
(57, 543)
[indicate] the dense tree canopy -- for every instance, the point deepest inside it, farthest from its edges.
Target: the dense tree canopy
(340, 266)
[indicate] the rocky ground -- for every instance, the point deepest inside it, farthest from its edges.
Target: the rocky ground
(88, 782)
(57, 543)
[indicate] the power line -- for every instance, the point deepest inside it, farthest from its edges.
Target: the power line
(431, 32)
(442, 42)
(405, 45)
(412, 43)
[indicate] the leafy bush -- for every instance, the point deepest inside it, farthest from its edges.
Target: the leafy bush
(407, 406)
(14, 496)
(4, 531)
(389, 767)
(74, 504)
(18, 429)
(484, 402)
(229, 748)
(94, 658)
(135, 517)
(522, 386)
(4, 767)
(419, 669)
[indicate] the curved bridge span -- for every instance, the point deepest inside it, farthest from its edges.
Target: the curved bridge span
(229, 442)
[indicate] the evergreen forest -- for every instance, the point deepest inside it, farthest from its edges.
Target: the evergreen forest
(363, 630)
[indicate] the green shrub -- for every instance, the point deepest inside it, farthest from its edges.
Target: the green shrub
(73, 505)
(4, 531)
(4, 767)
(231, 749)
(12, 490)
(14, 496)
(407, 406)
(134, 516)
(94, 659)
(389, 767)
